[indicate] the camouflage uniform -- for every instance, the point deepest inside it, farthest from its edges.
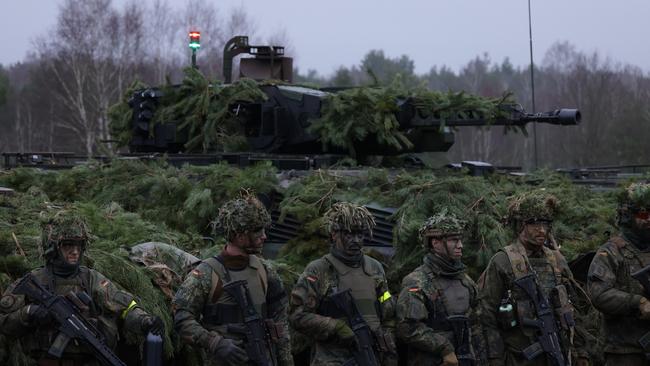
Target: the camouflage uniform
(435, 294)
(504, 305)
(612, 289)
(314, 314)
(206, 314)
(110, 305)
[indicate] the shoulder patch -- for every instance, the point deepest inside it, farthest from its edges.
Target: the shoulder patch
(312, 278)
(414, 289)
(104, 283)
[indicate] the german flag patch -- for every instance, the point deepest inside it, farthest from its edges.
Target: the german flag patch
(312, 279)
(414, 289)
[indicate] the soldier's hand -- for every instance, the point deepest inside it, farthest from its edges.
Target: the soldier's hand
(644, 309)
(230, 352)
(153, 324)
(38, 315)
(450, 359)
(343, 331)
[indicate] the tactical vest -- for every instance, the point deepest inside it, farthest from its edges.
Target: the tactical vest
(549, 276)
(452, 298)
(364, 290)
(623, 331)
(41, 340)
(547, 267)
(634, 261)
(221, 308)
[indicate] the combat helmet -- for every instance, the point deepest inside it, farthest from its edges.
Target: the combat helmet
(63, 225)
(244, 214)
(632, 199)
(440, 225)
(346, 216)
(537, 205)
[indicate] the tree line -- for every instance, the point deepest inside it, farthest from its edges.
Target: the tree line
(57, 98)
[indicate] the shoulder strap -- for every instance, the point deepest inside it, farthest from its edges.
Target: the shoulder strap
(553, 259)
(217, 270)
(85, 278)
(261, 271)
(517, 259)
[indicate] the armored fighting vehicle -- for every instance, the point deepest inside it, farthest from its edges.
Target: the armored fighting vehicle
(279, 126)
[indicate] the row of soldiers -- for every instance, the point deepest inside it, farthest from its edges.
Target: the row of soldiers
(234, 308)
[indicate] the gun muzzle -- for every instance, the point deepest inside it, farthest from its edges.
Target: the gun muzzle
(569, 117)
(562, 117)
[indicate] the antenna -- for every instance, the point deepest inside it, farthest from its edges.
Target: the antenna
(532, 85)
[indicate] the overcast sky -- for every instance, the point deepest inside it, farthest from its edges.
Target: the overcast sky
(330, 33)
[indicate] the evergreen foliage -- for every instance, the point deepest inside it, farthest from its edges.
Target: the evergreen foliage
(130, 202)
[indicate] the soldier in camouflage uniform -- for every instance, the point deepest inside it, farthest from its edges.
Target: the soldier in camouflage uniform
(504, 305)
(346, 267)
(208, 316)
(64, 240)
(437, 309)
(613, 291)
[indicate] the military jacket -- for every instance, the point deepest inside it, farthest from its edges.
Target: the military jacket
(428, 297)
(204, 312)
(617, 295)
(505, 344)
(109, 305)
(309, 314)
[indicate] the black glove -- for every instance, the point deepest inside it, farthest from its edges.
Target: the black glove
(38, 315)
(154, 325)
(230, 352)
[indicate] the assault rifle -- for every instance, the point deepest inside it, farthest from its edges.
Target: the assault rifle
(460, 326)
(365, 354)
(258, 340)
(72, 325)
(548, 340)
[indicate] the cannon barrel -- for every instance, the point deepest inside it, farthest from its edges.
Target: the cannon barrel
(512, 115)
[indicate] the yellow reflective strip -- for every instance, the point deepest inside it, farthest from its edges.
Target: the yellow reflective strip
(384, 297)
(131, 306)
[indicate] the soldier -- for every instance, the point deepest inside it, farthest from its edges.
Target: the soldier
(521, 284)
(234, 292)
(64, 240)
(318, 301)
(614, 291)
(437, 309)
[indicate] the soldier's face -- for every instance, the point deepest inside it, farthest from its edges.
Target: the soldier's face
(255, 242)
(536, 233)
(350, 242)
(449, 247)
(642, 219)
(70, 251)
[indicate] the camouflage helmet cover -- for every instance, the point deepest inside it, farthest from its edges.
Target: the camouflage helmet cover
(346, 216)
(245, 214)
(63, 225)
(441, 225)
(531, 206)
(635, 195)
